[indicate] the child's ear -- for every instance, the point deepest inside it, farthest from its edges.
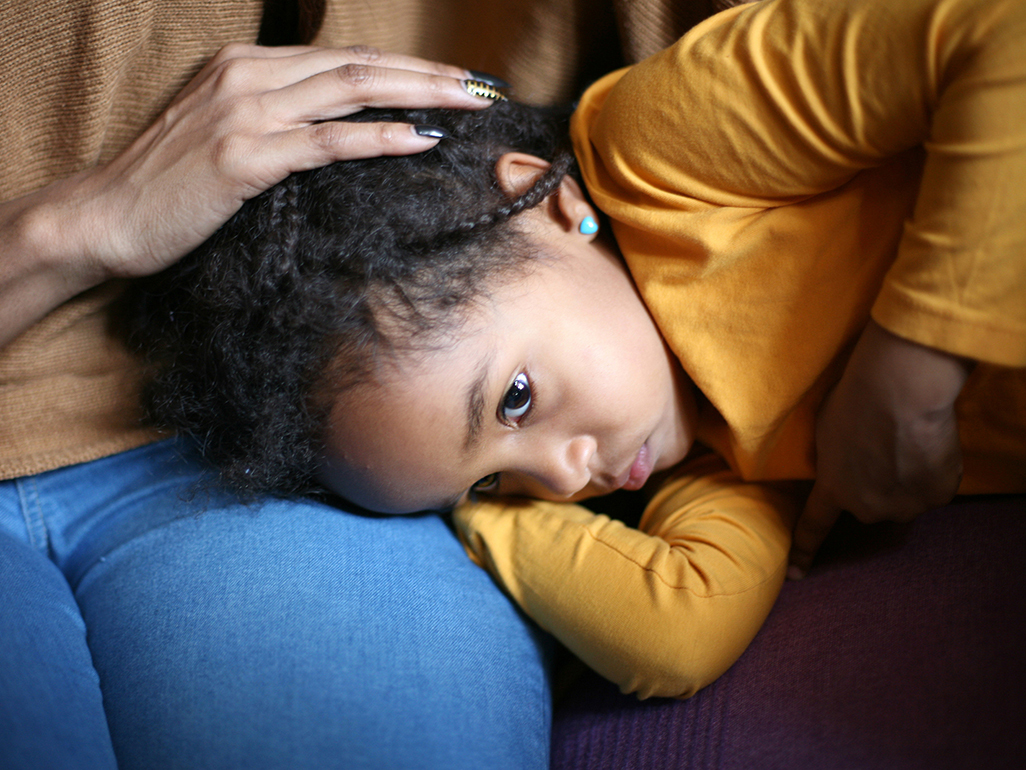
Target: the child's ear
(517, 171)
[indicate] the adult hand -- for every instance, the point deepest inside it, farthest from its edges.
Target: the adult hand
(248, 119)
(886, 439)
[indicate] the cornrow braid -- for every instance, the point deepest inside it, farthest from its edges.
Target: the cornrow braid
(297, 298)
(505, 210)
(541, 189)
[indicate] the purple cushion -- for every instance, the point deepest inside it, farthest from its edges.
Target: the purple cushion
(903, 648)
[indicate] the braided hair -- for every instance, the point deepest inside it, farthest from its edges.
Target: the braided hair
(253, 336)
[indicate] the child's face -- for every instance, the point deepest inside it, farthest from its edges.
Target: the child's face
(559, 386)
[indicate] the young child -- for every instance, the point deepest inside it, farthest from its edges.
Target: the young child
(413, 332)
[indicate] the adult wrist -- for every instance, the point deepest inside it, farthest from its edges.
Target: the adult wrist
(59, 235)
(45, 255)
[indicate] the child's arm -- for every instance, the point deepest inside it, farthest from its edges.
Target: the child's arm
(662, 610)
(788, 101)
(887, 443)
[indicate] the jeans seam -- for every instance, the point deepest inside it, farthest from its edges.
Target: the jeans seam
(35, 525)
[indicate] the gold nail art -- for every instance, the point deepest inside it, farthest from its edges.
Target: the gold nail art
(477, 88)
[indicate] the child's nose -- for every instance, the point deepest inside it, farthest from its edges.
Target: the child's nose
(565, 468)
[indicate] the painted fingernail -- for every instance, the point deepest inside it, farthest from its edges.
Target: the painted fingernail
(478, 88)
(434, 132)
(491, 80)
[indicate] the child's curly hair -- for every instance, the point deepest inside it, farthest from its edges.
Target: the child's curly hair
(253, 335)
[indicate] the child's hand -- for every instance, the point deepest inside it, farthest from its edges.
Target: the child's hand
(886, 439)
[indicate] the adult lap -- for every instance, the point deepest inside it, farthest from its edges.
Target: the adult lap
(286, 632)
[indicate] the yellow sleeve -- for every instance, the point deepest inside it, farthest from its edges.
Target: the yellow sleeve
(776, 102)
(959, 281)
(661, 610)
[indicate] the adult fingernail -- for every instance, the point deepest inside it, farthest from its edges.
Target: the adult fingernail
(794, 572)
(491, 80)
(479, 88)
(434, 132)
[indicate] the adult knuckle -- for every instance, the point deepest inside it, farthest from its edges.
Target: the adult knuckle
(232, 51)
(233, 76)
(436, 84)
(355, 75)
(365, 53)
(387, 133)
(332, 136)
(228, 152)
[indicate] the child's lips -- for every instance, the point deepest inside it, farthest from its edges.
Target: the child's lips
(639, 471)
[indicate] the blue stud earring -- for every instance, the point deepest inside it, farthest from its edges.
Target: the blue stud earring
(588, 226)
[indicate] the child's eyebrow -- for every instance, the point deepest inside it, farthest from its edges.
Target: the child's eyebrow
(475, 405)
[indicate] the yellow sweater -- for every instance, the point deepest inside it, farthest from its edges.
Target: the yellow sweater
(778, 174)
(767, 186)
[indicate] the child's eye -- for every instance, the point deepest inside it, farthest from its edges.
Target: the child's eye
(488, 484)
(517, 401)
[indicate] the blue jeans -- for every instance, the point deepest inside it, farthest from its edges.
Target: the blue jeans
(148, 617)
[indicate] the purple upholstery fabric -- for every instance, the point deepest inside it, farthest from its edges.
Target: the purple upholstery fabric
(903, 648)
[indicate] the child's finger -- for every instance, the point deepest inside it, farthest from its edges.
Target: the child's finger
(817, 519)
